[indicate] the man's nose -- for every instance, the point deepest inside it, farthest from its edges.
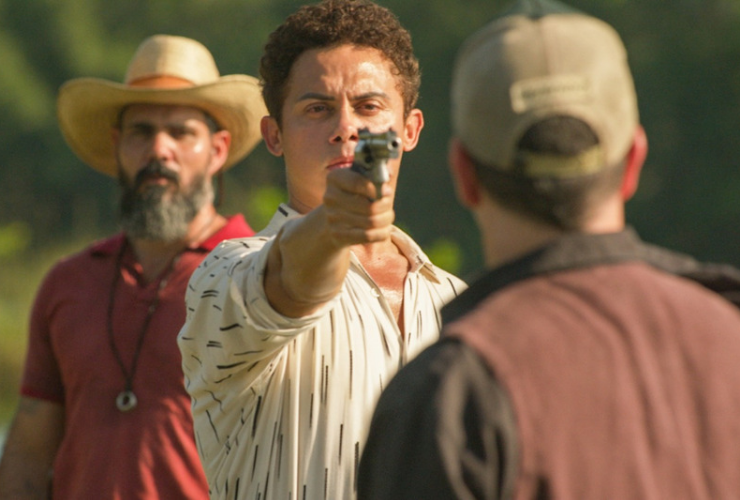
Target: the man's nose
(162, 143)
(348, 124)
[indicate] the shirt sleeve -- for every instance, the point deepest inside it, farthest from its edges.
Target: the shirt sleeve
(41, 375)
(443, 429)
(230, 324)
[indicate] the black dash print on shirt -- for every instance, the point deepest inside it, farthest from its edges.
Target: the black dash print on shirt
(310, 413)
(214, 343)
(341, 437)
(256, 415)
(385, 342)
(232, 365)
(213, 427)
(233, 267)
(282, 211)
(221, 380)
(209, 293)
(326, 482)
(280, 453)
(247, 353)
(230, 327)
(274, 436)
(323, 380)
(452, 285)
(236, 489)
(357, 463)
(326, 383)
(196, 358)
(220, 403)
(254, 462)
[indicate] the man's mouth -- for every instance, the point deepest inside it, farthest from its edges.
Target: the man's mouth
(155, 174)
(155, 179)
(344, 162)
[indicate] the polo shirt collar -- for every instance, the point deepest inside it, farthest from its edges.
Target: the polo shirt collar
(236, 227)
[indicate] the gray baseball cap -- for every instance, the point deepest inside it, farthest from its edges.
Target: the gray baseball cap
(541, 59)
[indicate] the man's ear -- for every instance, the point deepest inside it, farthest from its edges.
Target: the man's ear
(634, 162)
(462, 169)
(412, 129)
(220, 144)
(115, 136)
(271, 135)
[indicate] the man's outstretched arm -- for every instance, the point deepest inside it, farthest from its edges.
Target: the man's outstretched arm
(30, 448)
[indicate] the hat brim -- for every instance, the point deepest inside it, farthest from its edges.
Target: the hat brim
(88, 109)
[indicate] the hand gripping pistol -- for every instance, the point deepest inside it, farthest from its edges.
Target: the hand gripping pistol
(372, 154)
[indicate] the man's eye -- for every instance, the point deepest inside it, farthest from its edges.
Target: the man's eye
(139, 132)
(317, 108)
(369, 106)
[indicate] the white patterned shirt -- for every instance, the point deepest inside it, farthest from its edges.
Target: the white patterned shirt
(282, 405)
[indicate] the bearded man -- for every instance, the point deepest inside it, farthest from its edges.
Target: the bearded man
(103, 412)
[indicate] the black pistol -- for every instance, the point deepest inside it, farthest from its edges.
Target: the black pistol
(372, 154)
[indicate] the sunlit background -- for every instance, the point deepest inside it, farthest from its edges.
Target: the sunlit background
(685, 56)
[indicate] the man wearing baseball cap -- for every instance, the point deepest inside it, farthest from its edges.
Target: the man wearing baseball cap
(103, 412)
(581, 365)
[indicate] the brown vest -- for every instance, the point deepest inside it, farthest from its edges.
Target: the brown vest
(625, 382)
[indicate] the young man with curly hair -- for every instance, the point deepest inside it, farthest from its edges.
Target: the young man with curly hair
(291, 335)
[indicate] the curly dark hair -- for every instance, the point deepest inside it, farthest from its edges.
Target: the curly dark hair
(331, 23)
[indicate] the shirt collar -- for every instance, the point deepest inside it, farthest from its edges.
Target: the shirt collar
(236, 227)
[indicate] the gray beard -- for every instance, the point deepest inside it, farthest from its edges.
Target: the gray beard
(153, 214)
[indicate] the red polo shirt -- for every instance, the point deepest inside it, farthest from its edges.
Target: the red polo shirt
(148, 452)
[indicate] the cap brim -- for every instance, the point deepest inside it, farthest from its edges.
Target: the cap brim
(88, 108)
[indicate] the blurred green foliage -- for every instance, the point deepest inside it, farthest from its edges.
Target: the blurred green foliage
(685, 57)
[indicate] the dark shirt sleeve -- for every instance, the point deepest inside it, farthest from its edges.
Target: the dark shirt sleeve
(443, 429)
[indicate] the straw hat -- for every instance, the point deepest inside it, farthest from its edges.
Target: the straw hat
(165, 70)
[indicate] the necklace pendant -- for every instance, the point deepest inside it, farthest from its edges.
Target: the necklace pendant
(126, 401)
